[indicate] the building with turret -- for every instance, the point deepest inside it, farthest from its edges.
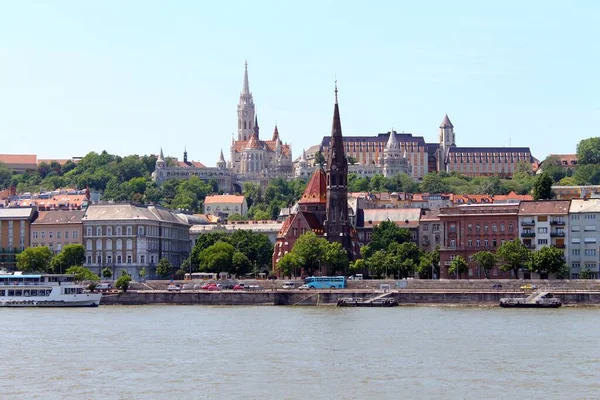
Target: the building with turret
(251, 158)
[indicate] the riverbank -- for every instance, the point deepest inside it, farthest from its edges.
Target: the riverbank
(331, 297)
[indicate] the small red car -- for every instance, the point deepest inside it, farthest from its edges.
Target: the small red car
(238, 287)
(213, 288)
(208, 286)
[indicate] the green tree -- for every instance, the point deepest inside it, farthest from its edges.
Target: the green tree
(585, 274)
(588, 151)
(320, 159)
(357, 266)
(352, 160)
(5, 176)
(384, 234)
(377, 264)
(587, 174)
(236, 217)
(310, 250)
(336, 258)
(486, 261)
(82, 274)
(403, 258)
(241, 264)
(164, 268)
(458, 266)
(143, 274)
(255, 246)
(34, 259)
(491, 186)
(542, 188)
(217, 258)
(107, 273)
(549, 260)
(429, 264)
(553, 168)
(123, 282)
(71, 255)
(288, 265)
(432, 183)
(513, 255)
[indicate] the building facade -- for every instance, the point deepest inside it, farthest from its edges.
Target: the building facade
(583, 237)
(127, 237)
(431, 232)
(56, 229)
(225, 205)
(15, 227)
(469, 229)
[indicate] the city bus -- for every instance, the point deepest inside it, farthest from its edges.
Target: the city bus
(325, 282)
(201, 276)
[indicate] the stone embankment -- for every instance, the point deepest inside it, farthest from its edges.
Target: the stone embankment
(417, 292)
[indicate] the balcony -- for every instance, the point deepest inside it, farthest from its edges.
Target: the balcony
(557, 234)
(559, 246)
(527, 234)
(530, 246)
(557, 222)
(528, 223)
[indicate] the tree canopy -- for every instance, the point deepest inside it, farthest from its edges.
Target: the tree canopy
(34, 259)
(513, 255)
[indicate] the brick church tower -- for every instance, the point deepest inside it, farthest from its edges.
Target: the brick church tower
(337, 225)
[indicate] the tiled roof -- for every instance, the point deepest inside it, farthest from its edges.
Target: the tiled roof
(454, 149)
(446, 122)
(381, 137)
(431, 215)
(49, 160)
(544, 207)
(59, 217)
(513, 196)
(16, 212)
(224, 198)
(190, 164)
(18, 158)
(253, 143)
(316, 190)
(270, 145)
(403, 217)
(585, 205)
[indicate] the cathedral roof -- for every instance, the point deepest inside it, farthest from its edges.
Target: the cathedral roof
(316, 190)
(446, 122)
(271, 145)
(221, 158)
(305, 219)
(275, 133)
(392, 143)
(254, 143)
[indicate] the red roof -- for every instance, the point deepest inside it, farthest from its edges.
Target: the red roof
(18, 158)
(240, 145)
(316, 190)
(224, 198)
(190, 164)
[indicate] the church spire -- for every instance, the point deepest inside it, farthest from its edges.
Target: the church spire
(246, 89)
(392, 143)
(275, 133)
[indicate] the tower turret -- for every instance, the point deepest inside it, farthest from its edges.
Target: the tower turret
(221, 164)
(246, 109)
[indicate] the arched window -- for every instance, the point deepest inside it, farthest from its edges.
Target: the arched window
(88, 245)
(119, 244)
(109, 231)
(99, 231)
(129, 244)
(108, 244)
(129, 230)
(119, 231)
(99, 244)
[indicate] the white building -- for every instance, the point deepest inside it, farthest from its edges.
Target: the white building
(584, 236)
(128, 237)
(225, 205)
(269, 228)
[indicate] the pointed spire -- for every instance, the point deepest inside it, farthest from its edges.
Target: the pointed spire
(303, 156)
(256, 129)
(336, 90)
(161, 157)
(336, 129)
(246, 88)
(221, 158)
(446, 122)
(336, 154)
(275, 133)
(392, 143)
(253, 143)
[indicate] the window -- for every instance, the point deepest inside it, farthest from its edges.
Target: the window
(542, 218)
(494, 243)
(589, 240)
(485, 227)
(35, 235)
(425, 227)
(486, 243)
(494, 228)
(589, 228)
(590, 252)
(470, 227)
(109, 259)
(502, 227)
(43, 235)
(590, 216)
(58, 234)
(510, 227)
(575, 228)
(99, 244)
(109, 231)
(88, 244)
(477, 243)
(98, 259)
(575, 265)
(50, 235)
(129, 244)
(75, 234)
(477, 228)
(574, 216)
(575, 252)
(119, 231)
(89, 259)
(470, 243)
(542, 230)
(452, 243)
(542, 241)
(128, 259)
(152, 259)
(129, 231)
(140, 231)
(142, 259)
(99, 231)
(119, 260)
(108, 244)
(590, 266)
(453, 228)
(575, 240)
(119, 244)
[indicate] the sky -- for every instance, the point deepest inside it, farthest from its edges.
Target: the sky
(130, 77)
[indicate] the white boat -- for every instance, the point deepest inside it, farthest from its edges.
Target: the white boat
(44, 290)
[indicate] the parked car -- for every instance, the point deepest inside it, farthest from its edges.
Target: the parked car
(357, 277)
(198, 286)
(206, 286)
(188, 286)
(174, 288)
(238, 287)
(289, 285)
(104, 286)
(528, 286)
(496, 286)
(214, 288)
(304, 287)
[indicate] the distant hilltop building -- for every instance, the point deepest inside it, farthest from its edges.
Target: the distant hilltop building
(251, 159)
(421, 157)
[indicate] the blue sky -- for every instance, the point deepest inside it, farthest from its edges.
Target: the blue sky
(132, 76)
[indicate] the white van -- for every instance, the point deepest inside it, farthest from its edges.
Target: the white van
(289, 285)
(357, 277)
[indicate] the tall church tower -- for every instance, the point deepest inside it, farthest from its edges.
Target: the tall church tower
(337, 226)
(246, 112)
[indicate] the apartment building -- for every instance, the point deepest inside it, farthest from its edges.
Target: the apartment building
(15, 225)
(56, 229)
(431, 232)
(583, 237)
(469, 229)
(128, 237)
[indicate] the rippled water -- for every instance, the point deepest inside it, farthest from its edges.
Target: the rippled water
(187, 352)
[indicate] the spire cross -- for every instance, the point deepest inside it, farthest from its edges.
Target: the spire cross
(336, 91)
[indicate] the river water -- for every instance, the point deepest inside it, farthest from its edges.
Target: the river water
(192, 352)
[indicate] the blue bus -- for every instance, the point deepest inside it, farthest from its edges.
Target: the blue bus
(325, 282)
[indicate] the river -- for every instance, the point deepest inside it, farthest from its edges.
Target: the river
(192, 352)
